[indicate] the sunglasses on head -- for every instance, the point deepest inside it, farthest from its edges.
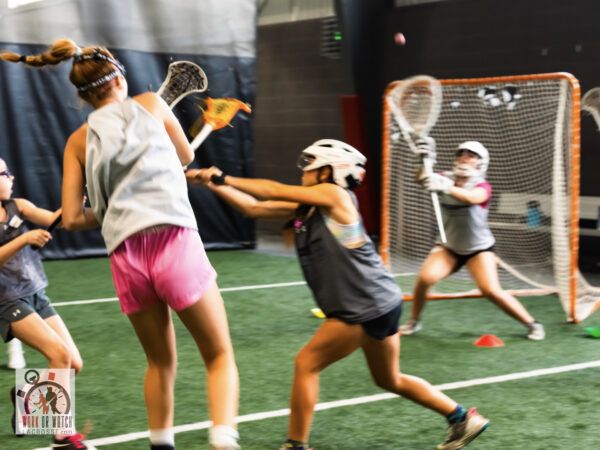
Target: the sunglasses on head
(6, 173)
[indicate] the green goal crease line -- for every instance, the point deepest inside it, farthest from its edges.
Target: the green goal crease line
(350, 402)
(229, 289)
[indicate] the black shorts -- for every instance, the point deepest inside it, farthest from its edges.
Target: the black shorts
(383, 326)
(461, 260)
(15, 310)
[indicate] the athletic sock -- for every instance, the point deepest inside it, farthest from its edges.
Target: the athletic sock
(458, 415)
(223, 436)
(162, 436)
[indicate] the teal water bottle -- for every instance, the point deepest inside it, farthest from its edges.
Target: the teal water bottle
(534, 215)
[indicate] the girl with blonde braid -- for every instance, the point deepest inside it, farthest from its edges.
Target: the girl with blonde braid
(130, 154)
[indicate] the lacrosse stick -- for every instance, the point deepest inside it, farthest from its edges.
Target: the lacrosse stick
(591, 103)
(219, 113)
(183, 78)
(50, 228)
(415, 104)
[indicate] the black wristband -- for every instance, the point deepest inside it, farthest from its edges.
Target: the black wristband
(218, 179)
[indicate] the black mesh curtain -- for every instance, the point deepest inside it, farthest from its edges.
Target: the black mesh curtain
(39, 108)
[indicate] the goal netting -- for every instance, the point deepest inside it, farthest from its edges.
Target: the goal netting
(530, 125)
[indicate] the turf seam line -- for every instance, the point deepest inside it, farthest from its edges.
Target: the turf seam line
(228, 289)
(352, 401)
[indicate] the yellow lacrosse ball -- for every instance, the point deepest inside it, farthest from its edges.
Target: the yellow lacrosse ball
(317, 313)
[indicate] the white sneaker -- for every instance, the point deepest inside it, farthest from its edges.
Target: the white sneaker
(536, 332)
(223, 437)
(460, 434)
(410, 327)
(16, 356)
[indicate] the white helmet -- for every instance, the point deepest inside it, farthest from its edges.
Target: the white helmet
(346, 162)
(465, 170)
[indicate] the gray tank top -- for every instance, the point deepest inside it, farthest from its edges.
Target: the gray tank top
(134, 177)
(23, 274)
(466, 225)
(349, 284)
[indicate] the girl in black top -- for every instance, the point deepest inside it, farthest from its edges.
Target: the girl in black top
(348, 280)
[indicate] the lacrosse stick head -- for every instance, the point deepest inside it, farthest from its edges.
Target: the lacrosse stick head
(183, 78)
(590, 103)
(220, 112)
(415, 104)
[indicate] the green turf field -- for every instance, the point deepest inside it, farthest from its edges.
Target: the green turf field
(268, 326)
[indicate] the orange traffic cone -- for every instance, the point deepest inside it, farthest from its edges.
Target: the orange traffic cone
(489, 340)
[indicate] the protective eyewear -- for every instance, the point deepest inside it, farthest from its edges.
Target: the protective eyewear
(305, 160)
(463, 151)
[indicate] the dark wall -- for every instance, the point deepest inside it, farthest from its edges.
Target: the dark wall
(474, 38)
(298, 90)
(40, 108)
(297, 99)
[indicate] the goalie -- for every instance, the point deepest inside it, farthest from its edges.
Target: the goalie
(465, 198)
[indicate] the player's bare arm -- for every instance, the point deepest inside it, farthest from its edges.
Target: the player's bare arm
(75, 215)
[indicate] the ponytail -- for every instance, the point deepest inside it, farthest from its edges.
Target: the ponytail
(59, 51)
(93, 67)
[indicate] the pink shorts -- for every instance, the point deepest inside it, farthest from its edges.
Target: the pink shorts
(165, 264)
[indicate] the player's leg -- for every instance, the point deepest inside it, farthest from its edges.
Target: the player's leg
(206, 320)
(48, 313)
(333, 341)
(183, 276)
(131, 266)
(38, 334)
(483, 269)
(56, 323)
(383, 359)
(438, 265)
(154, 329)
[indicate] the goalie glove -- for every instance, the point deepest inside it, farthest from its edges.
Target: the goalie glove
(437, 183)
(425, 147)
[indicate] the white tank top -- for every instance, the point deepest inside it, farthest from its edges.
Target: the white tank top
(134, 177)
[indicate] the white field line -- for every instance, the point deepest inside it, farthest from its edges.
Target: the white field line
(352, 401)
(229, 289)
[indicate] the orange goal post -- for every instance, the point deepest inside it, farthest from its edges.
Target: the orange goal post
(531, 126)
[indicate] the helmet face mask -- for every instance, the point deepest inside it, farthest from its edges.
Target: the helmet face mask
(347, 163)
(304, 160)
(467, 170)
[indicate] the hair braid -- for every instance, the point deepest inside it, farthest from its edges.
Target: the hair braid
(93, 67)
(59, 51)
